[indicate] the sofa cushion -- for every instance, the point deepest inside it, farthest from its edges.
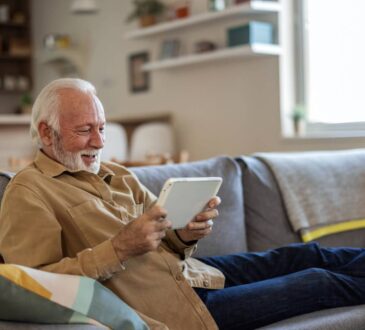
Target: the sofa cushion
(28, 295)
(267, 224)
(228, 235)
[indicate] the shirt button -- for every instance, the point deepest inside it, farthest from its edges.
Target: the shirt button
(179, 277)
(206, 283)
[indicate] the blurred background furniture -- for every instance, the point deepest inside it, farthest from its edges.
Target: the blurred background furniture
(152, 139)
(116, 143)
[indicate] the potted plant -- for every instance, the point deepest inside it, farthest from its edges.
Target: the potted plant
(146, 11)
(298, 116)
(26, 103)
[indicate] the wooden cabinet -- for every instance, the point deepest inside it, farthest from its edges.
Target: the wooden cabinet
(15, 48)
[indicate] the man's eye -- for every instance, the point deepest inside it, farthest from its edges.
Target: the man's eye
(84, 131)
(102, 129)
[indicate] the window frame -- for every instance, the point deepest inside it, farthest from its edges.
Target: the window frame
(350, 129)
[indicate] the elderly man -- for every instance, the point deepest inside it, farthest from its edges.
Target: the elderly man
(68, 213)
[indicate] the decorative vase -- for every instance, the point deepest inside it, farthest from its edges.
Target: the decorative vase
(147, 20)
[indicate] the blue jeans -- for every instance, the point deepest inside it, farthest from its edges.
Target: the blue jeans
(262, 288)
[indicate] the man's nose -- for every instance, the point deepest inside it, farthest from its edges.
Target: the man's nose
(97, 140)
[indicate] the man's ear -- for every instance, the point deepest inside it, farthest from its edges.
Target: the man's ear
(45, 132)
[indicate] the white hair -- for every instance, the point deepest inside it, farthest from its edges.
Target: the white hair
(46, 105)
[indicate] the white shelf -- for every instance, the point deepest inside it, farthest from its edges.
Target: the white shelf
(253, 7)
(253, 50)
(14, 119)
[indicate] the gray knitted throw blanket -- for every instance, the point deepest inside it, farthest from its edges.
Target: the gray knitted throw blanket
(323, 192)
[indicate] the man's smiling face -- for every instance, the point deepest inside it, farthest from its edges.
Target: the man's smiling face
(81, 136)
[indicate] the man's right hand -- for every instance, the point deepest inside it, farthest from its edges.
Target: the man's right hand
(141, 235)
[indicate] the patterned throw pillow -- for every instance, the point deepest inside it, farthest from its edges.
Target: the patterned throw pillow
(30, 295)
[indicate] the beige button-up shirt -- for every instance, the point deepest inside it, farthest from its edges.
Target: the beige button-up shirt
(61, 221)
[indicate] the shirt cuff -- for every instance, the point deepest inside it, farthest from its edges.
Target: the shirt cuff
(106, 260)
(178, 245)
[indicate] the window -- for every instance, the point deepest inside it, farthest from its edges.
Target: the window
(331, 63)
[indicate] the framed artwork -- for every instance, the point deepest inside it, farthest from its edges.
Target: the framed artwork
(139, 80)
(170, 49)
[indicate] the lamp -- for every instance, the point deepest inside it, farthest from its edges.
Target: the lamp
(84, 7)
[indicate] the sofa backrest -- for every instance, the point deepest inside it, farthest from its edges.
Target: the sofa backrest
(267, 223)
(228, 235)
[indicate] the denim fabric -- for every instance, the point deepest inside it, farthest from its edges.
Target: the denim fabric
(265, 287)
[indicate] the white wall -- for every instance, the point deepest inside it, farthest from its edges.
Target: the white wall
(230, 107)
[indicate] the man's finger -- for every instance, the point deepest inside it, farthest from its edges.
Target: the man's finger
(209, 214)
(199, 225)
(156, 212)
(214, 202)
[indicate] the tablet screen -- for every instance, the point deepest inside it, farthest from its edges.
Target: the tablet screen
(184, 198)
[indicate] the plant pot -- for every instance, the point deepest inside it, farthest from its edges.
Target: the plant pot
(26, 109)
(147, 20)
(299, 127)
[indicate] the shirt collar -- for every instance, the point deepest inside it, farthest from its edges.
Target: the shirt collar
(52, 168)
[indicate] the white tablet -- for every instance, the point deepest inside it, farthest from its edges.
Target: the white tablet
(184, 198)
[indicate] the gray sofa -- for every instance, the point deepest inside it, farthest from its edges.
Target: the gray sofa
(252, 218)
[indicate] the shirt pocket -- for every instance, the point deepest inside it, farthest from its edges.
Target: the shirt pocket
(96, 222)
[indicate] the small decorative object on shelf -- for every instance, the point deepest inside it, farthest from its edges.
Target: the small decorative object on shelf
(9, 82)
(147, 11)
(19, 47)
(298, 116)
(251, 33)
(182, 9)
(4, 13)
(205, 46)
(170, 49)
(56, 41)
(217, 5)
(23, 83)
(19, 17)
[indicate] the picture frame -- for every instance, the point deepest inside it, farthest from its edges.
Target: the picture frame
(139, 80)
(170, 49)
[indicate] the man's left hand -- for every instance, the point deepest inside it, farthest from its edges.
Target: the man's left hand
(202, 224)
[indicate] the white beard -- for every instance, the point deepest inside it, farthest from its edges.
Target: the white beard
(73, 160)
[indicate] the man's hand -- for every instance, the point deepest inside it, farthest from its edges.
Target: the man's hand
(141, 235)
(202, 224)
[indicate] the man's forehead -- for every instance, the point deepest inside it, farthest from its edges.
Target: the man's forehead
(79, 106)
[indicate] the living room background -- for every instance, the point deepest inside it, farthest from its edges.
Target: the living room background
(225, 107)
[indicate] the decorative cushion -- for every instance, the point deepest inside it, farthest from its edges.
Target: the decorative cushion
(228, 235)
(30, 295)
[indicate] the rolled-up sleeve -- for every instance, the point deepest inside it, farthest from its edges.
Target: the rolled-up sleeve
(30, 235)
